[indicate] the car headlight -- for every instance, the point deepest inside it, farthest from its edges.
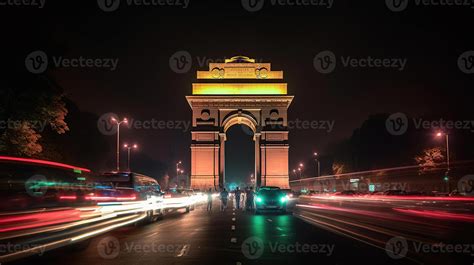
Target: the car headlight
(258, 199)
(283, 199)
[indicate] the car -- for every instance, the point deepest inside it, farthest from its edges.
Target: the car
(131, 186)
(270, 198)
(179, 198)
(289, 193)
(27, 184)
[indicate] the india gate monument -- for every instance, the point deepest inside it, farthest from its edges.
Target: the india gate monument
(239, 91)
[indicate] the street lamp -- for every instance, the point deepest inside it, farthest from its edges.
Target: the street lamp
(446, 177)
(299, 170)
(317, 162)
(185, 181)
(177, 172)
(129, 147)
(114, 120)
(440, 134)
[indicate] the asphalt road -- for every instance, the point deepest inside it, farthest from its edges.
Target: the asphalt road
(230, 237)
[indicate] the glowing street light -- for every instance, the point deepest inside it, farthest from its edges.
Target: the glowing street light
(129, 147)
(118, 123)
(440, 134)
(177, 171)
(315, 154)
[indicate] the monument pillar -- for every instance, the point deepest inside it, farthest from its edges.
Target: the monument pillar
(222, 139)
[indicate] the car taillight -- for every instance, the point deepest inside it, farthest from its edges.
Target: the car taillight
(113, 197)
(68, 197)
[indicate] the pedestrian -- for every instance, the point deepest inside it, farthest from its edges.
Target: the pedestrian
(224, 197)
(209, 200)
(249, 198)
(237, 193)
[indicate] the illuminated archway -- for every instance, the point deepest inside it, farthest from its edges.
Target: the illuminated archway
(224, 98)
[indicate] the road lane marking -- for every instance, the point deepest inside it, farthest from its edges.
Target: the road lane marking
(233, 227)
(233, 219)
(184, 251)
(152, 234)
(233, 240)
(233, 213)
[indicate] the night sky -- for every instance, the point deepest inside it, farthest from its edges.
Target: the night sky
(145, 87)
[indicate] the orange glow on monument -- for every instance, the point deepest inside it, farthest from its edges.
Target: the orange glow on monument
(239, 67)
(239, 89)
(237, 92)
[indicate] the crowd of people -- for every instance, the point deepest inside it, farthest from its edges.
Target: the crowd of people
(244, 199)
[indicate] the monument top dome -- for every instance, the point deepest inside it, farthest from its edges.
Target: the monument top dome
(240, 59)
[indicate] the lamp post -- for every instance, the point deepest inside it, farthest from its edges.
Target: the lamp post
(439, 134)
(118, 123)
(300, 169)
(317, 162)
(177, 172)
(446, 177)
(129, 147)
(185, 180)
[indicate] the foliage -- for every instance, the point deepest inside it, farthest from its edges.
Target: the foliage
(428, 159)
(27, 111)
